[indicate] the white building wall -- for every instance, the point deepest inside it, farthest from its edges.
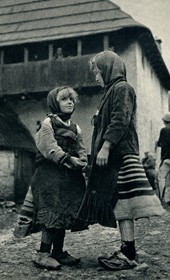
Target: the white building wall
(152, 102)
(152, 98)
(31, 111)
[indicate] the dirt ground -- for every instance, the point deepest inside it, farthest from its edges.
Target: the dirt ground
(152, 239)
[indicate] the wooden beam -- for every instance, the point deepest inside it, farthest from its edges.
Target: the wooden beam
(51, 51)
(2, 57)
(79, 47)
(105, 42)
(25, 54)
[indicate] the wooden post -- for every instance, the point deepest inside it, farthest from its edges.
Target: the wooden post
(1, 56)
(105, 42)
(50, 52)
(79, 47)
(25, 55)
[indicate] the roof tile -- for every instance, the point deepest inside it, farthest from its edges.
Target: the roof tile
(21, 21)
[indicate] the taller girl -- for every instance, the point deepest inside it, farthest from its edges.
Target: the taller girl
(118, 189)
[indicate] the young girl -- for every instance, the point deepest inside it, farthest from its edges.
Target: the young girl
(117, 179)
(58, 184)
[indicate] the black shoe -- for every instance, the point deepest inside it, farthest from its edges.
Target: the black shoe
(44, 260)
(65, 258)
(116, 262)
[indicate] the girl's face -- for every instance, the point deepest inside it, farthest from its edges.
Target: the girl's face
(98, 77)
(66, 104)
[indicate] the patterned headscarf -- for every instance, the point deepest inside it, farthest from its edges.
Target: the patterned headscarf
(111, 66)
(53, 104)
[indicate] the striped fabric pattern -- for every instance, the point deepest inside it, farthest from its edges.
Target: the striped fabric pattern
(137, 199)
(27, 207)
(132, 180)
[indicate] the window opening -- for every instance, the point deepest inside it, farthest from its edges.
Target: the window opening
(65, 48)
(92, 44)
(13, 54)
(38, 51)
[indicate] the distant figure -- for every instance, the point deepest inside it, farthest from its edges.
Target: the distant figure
(35, 57)
(164, 169)
(59, 53)
(149, 164)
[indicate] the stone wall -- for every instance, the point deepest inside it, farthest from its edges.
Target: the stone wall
(7, 174)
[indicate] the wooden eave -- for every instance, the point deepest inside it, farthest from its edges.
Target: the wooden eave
(13, 134)
(31, 21)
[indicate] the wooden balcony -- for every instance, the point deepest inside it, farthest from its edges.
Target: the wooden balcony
(42, 76)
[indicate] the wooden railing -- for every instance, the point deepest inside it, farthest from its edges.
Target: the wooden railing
(41, 76)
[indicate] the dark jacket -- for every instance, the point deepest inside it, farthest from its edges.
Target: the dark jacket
(115, 121)
(164, 143)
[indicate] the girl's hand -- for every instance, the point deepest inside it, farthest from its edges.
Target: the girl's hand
(77, 163)
(84, 168)
(103, 155)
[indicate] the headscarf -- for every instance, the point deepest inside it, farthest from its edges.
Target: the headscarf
(54, 106)
(111, 66)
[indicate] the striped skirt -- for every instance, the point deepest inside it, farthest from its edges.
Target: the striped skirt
(27, 207)
(137, 199)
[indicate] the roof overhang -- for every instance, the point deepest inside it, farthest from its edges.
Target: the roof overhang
(143, 35)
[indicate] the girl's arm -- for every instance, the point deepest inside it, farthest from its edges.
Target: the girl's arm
(122, 109)
(47, 144)
(121, 114)
(49, 148)
(81, 147)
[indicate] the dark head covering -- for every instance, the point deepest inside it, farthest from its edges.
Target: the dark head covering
(53, 104)
(111, 66)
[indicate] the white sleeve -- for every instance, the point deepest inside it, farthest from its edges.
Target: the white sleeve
(46, 142)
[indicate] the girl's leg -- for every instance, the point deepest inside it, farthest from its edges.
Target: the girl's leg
(63, 257)
(46, 240)
(162, 175)
(43, 258)
(126, 228)
(167, 188)
(116, 262)
(58, 236)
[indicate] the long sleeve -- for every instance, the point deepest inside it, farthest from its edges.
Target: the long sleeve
(161, 136)
(81, 147)
(121, 114)
(47, 144)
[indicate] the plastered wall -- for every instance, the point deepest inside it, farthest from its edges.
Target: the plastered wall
(7, 174)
